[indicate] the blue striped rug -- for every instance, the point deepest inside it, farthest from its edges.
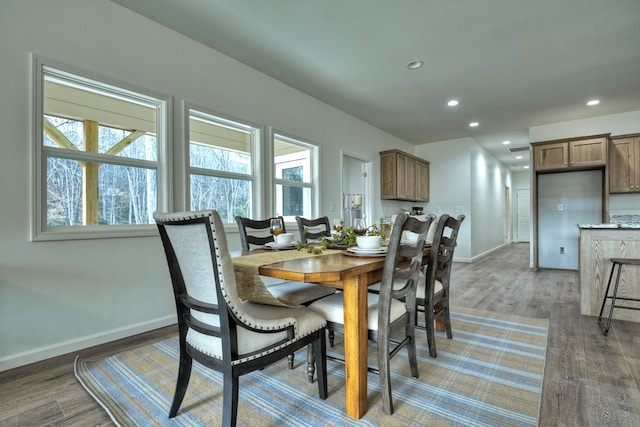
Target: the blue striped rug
(490, 374)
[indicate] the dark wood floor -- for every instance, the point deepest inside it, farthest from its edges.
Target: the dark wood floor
(590, 379)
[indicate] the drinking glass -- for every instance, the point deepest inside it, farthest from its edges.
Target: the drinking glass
(338, 224)
(385, 230)
(276, 227)
(359, 226)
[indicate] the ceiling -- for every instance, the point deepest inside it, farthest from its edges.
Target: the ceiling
(512, 64)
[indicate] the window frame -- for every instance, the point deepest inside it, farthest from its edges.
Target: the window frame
(39, 230)
(313, 184)
(257, 176)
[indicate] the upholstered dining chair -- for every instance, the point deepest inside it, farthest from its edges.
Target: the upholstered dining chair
(391, 313)
(313, 229)
(433, 287)
(256, 231)
(217, 329)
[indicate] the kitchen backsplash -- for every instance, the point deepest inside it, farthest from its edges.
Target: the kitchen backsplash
(624, 219)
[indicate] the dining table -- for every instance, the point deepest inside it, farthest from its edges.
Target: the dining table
(349, 273)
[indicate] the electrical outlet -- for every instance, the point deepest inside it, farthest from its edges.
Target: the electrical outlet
(332, 206)
(560, 207)
(561, 250)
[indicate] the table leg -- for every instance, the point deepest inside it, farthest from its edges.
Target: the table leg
(440, 320)
(355, 345)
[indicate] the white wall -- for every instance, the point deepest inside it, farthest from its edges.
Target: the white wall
(60, 296)
(449, 185)
(466, 178)
(489, 178)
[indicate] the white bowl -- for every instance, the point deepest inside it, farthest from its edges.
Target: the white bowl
(369, 242)
(282, 240)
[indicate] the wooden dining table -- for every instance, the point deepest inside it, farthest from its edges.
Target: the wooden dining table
(340, 270)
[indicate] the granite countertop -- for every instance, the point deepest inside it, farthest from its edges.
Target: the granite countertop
(614, 226)
(617, 221)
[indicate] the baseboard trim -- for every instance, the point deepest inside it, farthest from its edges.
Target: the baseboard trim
(486, 253)
(58, 349)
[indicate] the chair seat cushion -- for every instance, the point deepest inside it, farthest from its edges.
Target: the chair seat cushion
(421, 290)
(305, 322)
(332, 308)
(298, 293)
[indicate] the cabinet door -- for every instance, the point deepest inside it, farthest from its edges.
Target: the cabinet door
(588, 152)
(388, 176)
(551, 156)
(621, 173)
(408, 190)
(635, 163)
(422, 182)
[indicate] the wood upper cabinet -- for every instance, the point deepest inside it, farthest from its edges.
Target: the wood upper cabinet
(422, 181)
(579, 153)
(403, 177)
(624, 164)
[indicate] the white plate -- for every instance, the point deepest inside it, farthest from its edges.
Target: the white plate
(357, 250)
(272, 245)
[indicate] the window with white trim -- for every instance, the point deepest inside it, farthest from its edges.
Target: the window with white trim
(99, 156)
(294, 166)
(221, 164)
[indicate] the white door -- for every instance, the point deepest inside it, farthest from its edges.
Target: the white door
(523, 215)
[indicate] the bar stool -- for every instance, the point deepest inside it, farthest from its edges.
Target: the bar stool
(619, 262)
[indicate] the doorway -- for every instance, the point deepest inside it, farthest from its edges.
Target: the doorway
(356, 188)
(507, 215)
(523, 215)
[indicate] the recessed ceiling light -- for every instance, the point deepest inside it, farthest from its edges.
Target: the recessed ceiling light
(518, 157)
(526, 167)
(453, 103)
(474, 124)
(414, 65)
(506, 142)
(593, 102)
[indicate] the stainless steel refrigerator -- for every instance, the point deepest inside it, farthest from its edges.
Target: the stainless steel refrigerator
(564, 201)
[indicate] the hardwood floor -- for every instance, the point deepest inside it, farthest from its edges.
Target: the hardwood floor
(590, 379)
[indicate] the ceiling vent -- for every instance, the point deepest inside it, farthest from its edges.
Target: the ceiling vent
(516, 149)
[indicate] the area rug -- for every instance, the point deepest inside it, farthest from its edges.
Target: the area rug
(489, 374)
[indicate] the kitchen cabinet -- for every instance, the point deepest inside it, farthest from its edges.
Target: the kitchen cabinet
(624, 164)
(403, 177)
(572, 153)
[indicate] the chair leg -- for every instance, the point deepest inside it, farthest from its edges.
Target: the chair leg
(320, 356)
(447, 317)
(184, 372)
(311, 363)
(411, 350)
(385, 375)
(290, 360)
(229, 400)
(431, 333)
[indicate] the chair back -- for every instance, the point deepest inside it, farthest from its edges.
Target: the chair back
(402, 266)
(441, 254)
(202, 277)
(313, 228)
(256, 231)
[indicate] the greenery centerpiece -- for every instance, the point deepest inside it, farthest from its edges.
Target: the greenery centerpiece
(339, 240)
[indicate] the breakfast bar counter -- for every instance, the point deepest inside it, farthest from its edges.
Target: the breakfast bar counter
(598, 244)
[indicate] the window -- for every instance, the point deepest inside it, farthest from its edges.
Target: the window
(293, 161)
(221, 165)
(98, 155)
